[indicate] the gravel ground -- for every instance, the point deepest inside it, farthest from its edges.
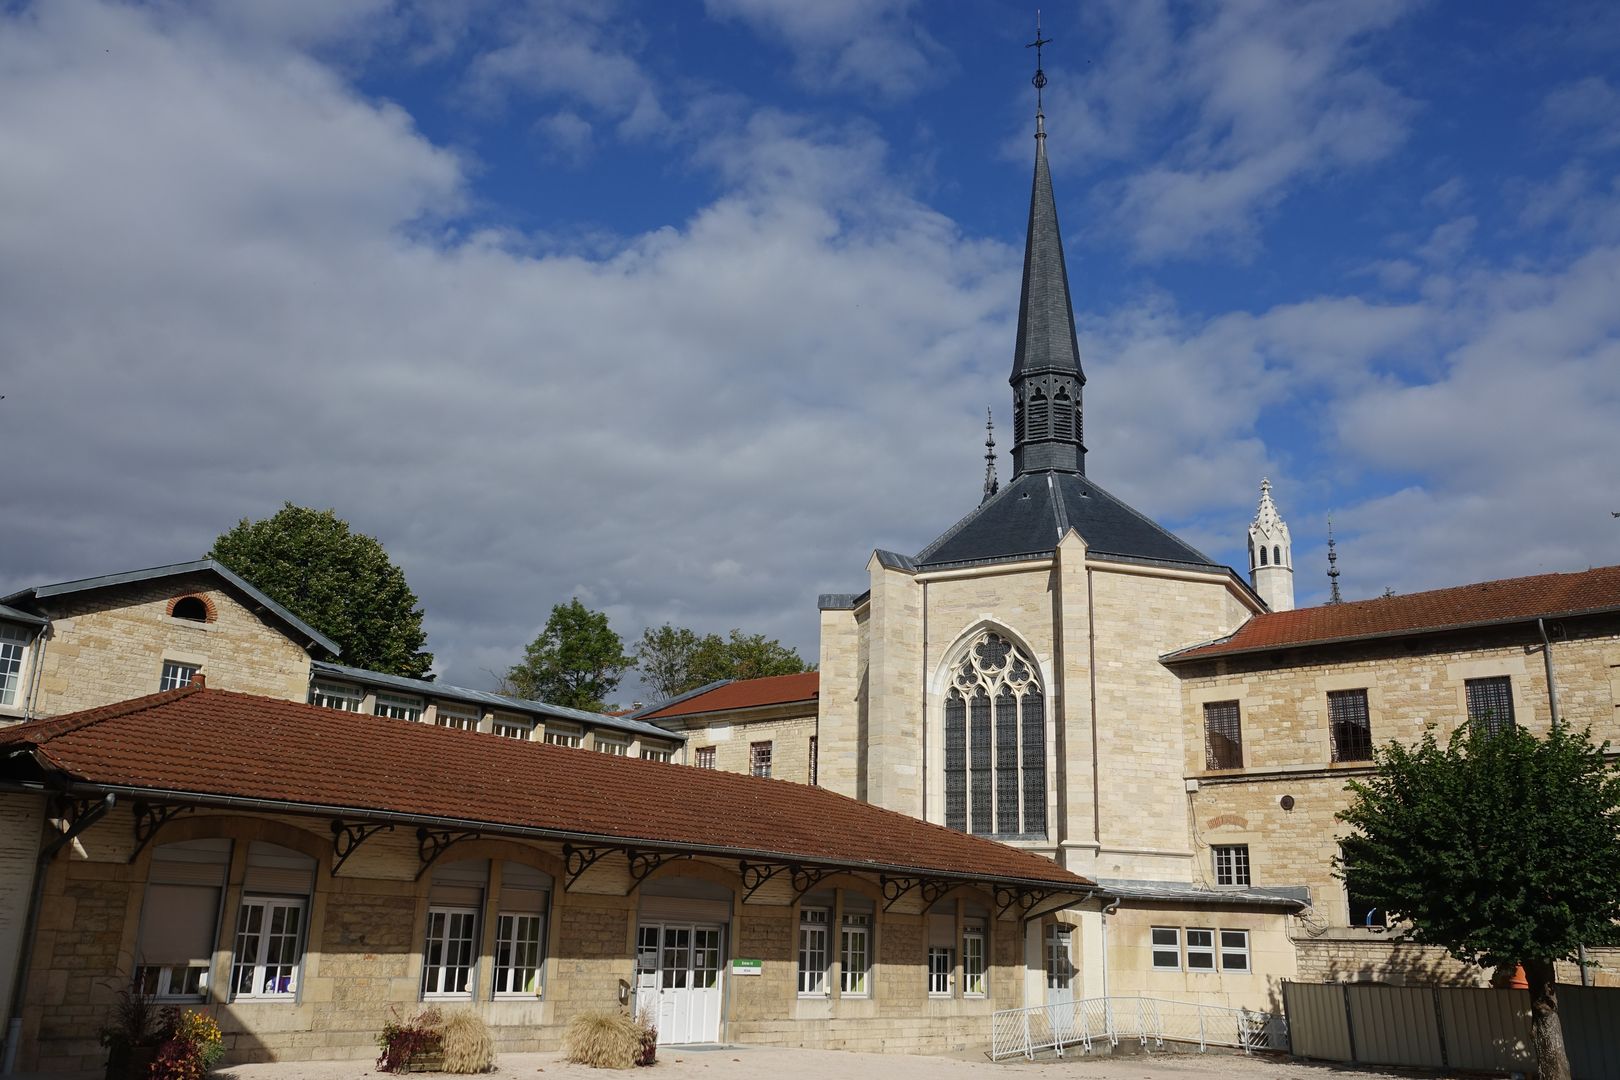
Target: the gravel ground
(737, 1063)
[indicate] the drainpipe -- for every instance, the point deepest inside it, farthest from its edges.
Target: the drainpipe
(33, 675)
(1107, 910)
(1546, 657)
(26, 952)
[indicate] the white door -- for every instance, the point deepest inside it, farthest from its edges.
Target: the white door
(1059, 964)
(678, 980)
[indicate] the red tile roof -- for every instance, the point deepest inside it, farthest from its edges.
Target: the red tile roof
(744, 694)
(202, 742)
(1482, 604)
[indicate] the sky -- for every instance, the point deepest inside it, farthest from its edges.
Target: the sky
(683, 308)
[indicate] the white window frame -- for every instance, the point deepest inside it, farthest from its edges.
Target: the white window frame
(1237, 871)
(564, 736)
(1165, 943)
(1200, 945)
(175, 674)
(157, 981)
(941, 970)
(398, 707)
(975, 982)
(703, 757)
(1234, 950)
(259, 962)
(14, 643)
(508, 728)
(507, 925)
(759, 758)
(611, 746)
(855, 978)
(657, 753)
(436, 976)
(456, 717)
(338, 696)
(813, 955)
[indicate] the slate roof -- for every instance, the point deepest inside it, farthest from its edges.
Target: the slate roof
(1486, 603)
(739, 694)
(207, 566)
(203, 744)
(424, 688)
(1046, 339)
(22, 616)
(1028, 517)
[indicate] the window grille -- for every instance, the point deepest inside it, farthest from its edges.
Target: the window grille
(1223, 735)
(175, 675)
(1232, 865)
(1490, 702)
(1167, 948)
(855, 954)
(1200, 949)
(995, 742)
(13, 644)
(941, 966)
(704, 758)
(813, 952)
(812, 761)
(1234, 950)
(1349, 725)
(759, 758)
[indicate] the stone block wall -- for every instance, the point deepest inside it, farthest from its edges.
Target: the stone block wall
(788, 730)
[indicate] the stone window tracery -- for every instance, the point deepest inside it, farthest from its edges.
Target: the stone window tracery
(995, 742)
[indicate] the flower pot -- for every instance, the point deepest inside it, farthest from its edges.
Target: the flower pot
(130, 1062)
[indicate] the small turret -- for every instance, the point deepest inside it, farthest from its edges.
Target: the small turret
(1271, 554)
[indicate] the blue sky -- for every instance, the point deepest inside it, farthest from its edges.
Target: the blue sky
(683, 308)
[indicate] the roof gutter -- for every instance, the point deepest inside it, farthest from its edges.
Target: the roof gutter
(31, 921)
(532, 832)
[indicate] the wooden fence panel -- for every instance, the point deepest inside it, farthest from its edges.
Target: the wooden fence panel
(1395, 1025)
(1321, 1030)
(1486, 1030)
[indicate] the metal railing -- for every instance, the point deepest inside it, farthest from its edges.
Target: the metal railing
(1084, 1022)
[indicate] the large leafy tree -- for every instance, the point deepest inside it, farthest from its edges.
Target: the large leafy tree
(339, 581)
(576, 661)
(674, 659)
(1499, 847)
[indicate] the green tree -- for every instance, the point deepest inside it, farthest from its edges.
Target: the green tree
(339, 581)
(576, 661)
(1499, 847)
(673, 659)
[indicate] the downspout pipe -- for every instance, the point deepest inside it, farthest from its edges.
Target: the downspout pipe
(1546, 658)
(26, 952)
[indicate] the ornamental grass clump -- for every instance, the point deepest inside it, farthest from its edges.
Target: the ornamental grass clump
(413, 1043)
(603, 1040)
(468, 1046)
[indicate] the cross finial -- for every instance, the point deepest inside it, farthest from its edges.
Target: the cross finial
(1040, 76)
(991, 484)
(1333, 566)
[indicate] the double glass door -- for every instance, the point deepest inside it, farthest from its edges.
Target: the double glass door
(678, 980)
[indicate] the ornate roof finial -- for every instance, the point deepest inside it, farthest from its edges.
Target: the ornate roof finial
(1039, 80)
(991, 484)
(1333, 566)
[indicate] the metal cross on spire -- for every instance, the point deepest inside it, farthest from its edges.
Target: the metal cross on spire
(1040, 76)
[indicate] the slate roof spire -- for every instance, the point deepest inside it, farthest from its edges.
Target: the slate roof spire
(1048, 433)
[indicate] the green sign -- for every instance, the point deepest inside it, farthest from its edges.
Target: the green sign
(748, 967)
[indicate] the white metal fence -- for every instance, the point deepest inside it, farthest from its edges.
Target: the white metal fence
(1088, 1021)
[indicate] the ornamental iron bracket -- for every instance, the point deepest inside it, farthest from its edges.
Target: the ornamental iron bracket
(578, 860)
(807, 878)
(643, 863)
(71, 811)
(348, 835)
(1025, 898)
(431, 843)
(932, 890)
(149, 818)
(755, 876)
(895, 889)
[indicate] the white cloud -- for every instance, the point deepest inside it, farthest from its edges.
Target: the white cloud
(1589, 107)
(846, 44)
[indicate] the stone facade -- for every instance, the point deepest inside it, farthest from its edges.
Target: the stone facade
(363, 955)
(731, 735)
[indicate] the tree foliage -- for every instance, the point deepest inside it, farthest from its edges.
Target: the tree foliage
(339, 581)
(673, 659)
(576, 661)
(1499, 847)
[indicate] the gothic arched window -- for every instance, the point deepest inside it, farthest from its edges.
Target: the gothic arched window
(1063, 415)
(995, 742)
(1276, 555)
(1262, 554)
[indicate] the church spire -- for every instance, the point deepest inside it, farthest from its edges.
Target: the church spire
(1046, 376)
(1271, 554)
(991, 484)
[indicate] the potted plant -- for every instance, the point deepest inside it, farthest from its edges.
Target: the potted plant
(132, 1036)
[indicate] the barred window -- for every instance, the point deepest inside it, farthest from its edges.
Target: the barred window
(812, 761)
(995, 742)
(704, 757)
(759, 758)
(1350, 727)
(1232, 864)
(1223, 735)
(1490, 702)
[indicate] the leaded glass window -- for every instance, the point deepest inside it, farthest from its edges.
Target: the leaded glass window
(995, 742)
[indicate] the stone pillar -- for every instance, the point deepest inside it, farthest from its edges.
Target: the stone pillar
(1075, 822)
(895, 691)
